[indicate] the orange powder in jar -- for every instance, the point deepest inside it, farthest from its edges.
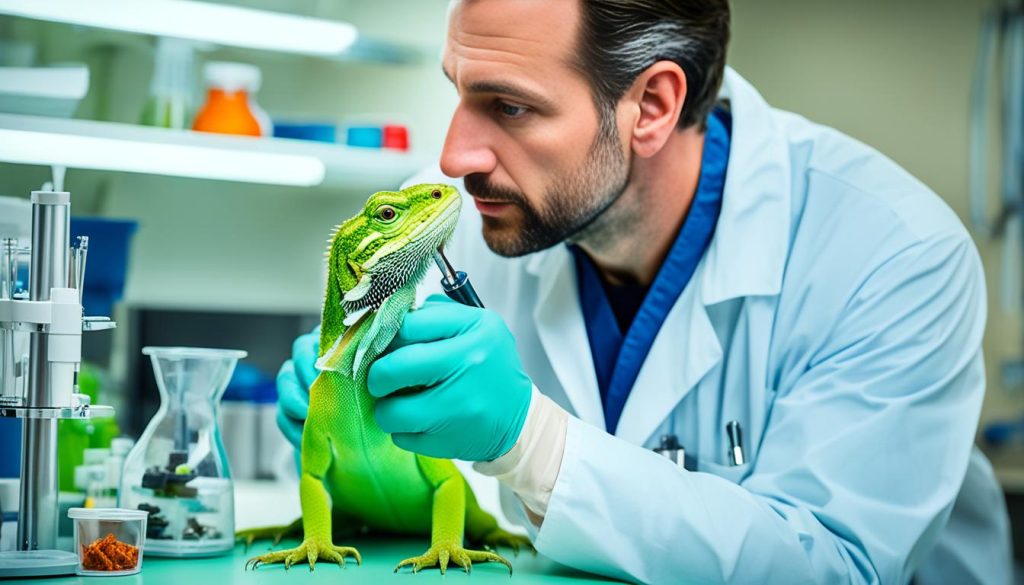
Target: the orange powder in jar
(109, 554)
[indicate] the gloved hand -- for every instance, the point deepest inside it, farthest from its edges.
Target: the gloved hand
(293, 382)
(471, 395)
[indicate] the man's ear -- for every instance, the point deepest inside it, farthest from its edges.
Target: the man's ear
(657, 97)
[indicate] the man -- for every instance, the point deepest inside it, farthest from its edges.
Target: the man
(667, 256)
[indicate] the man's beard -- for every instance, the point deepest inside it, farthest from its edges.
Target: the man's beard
(571, 204)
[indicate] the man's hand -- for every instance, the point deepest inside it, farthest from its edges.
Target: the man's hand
(471, 394)
(293, 382)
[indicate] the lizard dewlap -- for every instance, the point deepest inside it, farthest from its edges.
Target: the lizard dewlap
(374, 262)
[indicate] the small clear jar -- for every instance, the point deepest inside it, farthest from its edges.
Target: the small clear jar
(109, 541)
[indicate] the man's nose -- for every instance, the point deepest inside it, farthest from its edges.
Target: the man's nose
(466, 148)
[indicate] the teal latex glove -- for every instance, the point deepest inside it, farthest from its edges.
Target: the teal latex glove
(293, 381)
(472, 393)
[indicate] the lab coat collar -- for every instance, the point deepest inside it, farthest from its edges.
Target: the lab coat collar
(664, 379)
(684, 351)
(563, 333)
(746, 257)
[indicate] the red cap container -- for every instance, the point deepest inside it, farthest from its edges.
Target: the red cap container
(396, 136)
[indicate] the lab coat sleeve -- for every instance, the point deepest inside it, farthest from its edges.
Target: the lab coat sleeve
(862, 457)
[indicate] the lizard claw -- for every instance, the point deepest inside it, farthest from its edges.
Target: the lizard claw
(311, 550)
(440, 555)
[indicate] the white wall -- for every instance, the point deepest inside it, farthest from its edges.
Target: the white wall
(893, 74)
(896, 75)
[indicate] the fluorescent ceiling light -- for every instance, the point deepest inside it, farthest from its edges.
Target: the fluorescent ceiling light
(199, 21)
(202, 162)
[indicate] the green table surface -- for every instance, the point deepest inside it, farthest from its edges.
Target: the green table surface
(380, 555)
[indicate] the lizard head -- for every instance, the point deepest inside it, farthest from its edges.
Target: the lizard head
(391, 243)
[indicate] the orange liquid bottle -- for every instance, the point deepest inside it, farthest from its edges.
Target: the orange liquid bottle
(227, 109)
(227, 113)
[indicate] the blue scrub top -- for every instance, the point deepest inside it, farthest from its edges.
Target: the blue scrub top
(621, 335)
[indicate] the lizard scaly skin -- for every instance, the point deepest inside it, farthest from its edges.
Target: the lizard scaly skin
(351, 470)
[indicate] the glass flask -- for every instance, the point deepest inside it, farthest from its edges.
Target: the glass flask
(178, 471)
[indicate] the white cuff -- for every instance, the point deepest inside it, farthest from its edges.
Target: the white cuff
(531, 467)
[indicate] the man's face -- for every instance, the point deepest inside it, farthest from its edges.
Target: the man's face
(526, 135)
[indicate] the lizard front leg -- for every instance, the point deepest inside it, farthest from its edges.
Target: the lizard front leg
(449, 515)
(316, 507)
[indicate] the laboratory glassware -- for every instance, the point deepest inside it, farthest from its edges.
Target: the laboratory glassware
(178, 471)
(170, 92)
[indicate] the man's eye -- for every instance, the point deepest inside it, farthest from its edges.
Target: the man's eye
(511, 110)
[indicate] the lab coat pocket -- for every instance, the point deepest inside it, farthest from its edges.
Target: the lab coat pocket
(733, 473)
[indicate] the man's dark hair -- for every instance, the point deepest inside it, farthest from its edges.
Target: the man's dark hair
(619, 39)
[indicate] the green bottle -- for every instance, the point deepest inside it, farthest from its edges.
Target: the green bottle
(171, 87)
(75, 436)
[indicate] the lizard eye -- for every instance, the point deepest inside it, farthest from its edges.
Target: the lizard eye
(436, 193)
(386, 213)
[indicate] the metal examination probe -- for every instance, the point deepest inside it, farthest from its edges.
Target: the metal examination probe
(456, 283)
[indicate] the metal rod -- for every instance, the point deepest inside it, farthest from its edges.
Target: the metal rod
(72, 266)
(444, 266)
(81, 256)
(37, 523)
(177, 384)
(456, 283)
(10, 268)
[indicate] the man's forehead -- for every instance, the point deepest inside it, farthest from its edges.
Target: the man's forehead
(525, 34)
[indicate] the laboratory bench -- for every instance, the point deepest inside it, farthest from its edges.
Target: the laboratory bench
(380, 555)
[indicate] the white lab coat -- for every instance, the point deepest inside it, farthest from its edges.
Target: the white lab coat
(837, 315)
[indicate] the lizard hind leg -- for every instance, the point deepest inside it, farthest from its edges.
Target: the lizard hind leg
(483, 529)
(275, 533)
(500, 537)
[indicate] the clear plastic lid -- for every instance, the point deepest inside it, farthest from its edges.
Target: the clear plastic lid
(107, 514)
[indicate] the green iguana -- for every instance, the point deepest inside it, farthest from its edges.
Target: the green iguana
(351, 470)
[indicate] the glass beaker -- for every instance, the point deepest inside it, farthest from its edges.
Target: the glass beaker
(13, 343)
(178, 471)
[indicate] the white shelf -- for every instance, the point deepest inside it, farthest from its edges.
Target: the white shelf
(83, 144)
(219, 24)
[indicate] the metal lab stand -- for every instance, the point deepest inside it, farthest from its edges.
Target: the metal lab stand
(41, 387)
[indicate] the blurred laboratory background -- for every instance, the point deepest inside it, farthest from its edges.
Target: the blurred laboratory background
(200, 237)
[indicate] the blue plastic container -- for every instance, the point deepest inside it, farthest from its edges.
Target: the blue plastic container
(314, 132)
(107, 263)
(10, 454)
(366, 136)
(250, 384)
